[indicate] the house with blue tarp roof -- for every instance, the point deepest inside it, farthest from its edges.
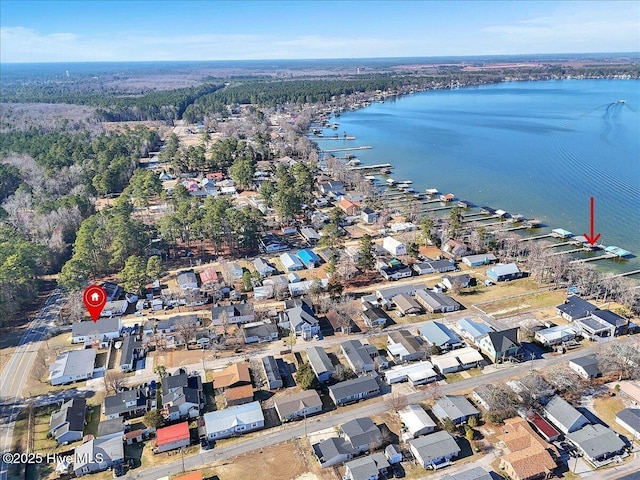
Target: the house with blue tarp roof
(309, 258)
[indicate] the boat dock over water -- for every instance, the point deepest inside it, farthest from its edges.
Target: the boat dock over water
(347, 149)
(371, 167)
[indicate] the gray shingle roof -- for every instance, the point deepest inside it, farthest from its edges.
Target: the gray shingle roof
(439, 334)
(361, 431)
(589, 363)
(352, 387)
(72, 413)
(630, 416)
(297, 402)
(596, 440)
(319, 360)
(456, 406)
(105, 325)
(435, 445)
(107, 427)
(564, 413)
(476, 473)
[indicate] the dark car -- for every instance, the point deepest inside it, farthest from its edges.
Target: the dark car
(397, 471)
(204, 444)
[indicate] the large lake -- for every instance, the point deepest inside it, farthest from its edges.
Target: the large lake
(541, 149)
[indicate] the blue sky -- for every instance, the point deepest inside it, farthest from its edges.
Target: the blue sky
(119, 30)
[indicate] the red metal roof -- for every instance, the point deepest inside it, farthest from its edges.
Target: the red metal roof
(173, 433)
(543, 426)
(209, 275)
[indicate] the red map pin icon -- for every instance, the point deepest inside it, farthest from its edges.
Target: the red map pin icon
(94, 298)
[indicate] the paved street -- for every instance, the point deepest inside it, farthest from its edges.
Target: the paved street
(16, 371)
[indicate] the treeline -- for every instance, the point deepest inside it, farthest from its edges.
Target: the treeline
(113, 105)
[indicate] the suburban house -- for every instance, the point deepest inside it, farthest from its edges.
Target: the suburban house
(330, 186)
(557, 335)
(455, 407)
(111, 428)
(456, 360)
(128, 404)
(479, 260)
(404, 347)
(339, 323)
(366, 468)
(235, 270)
(97, 455)
(236, 313)
(406, 304)
(173, 437)
(298, 405)
(320, 363)
(472, 330)
(301, 320)
(233, 420)
(529, 455)
(386, 294)
(503, 272)
(238, 395)
(394, 247)
(102, 331)
(234, 376)
(369, 216)
(270, 243)
(574, 308)
(564, 416)
(209, 277)
(618, 324)
(373, 316)
(475, 473)
(587, 366)
(353, 390)
(263, 267)
(455, 248)
(361, 433)
(499, 346)
(358, 356)
(597, 443)
(308, 257)
(72, 366)
(132, 351)
(272, 373)
(290, 262)
(187, 280)
(333, 451)
(67, 424)
(435, 450)
(415, 422)
(434, 266)
(349, 208)
(419, 373)
(435, 302)
(395, 273)
(171, 324)
(439, 335)
(182, 395)
(544, 428)
(114, 308)
(260, 332)
(310, 235)
(629, 419)
(462, 280)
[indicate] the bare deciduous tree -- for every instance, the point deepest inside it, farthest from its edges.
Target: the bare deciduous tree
(114, 380)
(186, 328)
(396, 401)
(40, 368)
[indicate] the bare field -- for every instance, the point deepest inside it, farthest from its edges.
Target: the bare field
(511, 306)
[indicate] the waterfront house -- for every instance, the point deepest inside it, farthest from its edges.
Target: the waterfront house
(435, 450)
(575, 308)
(97, 455)
(358, 356)
(438, 334)
(479, 260)
(394, 247)
(504, 272)
(272, 372)
(233, 420)
(415, 422)
(404, 347)
(67, 424)
(435, 302)
(587, 366)
(354, 390)
(320, 363)
(173, 437)
(564, 416)
(455, 407)
(298, 405)
(72, 366)
(499, 346)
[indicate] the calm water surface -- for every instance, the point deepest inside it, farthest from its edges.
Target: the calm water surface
(541, 149)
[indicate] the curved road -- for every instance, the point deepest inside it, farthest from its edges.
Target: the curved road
(16, 371)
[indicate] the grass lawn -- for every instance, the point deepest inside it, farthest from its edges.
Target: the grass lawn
(606, 407)
(511, 306)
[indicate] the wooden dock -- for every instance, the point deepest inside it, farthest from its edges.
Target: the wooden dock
(626, 274)
(348, 137)
(537, 237)
(559, 244)
(593, 259)
(564, 252)
(348, 149)
(371, 167)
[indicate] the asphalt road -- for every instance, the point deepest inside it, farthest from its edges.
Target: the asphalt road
(16, 371)
(302, 428)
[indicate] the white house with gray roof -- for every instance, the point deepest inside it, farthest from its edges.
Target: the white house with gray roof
(564, 416)
(298, 405)
(436, 302)
(272, 372)
(233, 420)
(97, 455)
(320, 363)
(416, 421)
(354, 390)
(67, 424)
(438, 334)
(629, 419)
(366, 468)
(455, 407)
(357, 356)
(72, 366)
(587, 366)
(89, 331)
(301, 320)
(435, 450)
(361, 433)
(597, 442)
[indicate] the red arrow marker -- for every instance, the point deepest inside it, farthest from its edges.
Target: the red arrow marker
(94, 298)
(593, 238)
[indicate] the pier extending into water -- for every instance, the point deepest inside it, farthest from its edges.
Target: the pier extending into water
(377, 166)
(347, 149)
